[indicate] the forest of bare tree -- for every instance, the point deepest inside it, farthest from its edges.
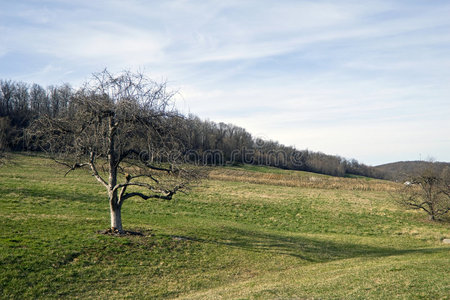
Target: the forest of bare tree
(203, 141)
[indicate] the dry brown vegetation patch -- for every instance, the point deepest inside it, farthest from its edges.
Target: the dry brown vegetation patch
(302, 180)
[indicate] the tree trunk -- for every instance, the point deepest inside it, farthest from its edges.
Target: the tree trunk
(115, 207)
(116, 218)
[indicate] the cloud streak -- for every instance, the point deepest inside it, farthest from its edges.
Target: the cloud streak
(359, 79)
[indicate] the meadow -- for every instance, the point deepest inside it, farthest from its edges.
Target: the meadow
(243, 233)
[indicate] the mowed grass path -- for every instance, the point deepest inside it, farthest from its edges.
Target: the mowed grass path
(244, 238)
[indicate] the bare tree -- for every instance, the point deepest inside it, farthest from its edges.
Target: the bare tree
(5, 128)
(429, 191)
(7, 90)
(119, 127)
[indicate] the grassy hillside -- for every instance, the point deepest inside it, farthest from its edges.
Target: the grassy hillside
(243, 233)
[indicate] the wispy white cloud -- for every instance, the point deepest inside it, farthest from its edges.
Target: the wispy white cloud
(347, 78)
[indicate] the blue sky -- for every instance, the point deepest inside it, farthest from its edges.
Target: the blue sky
(363, 79)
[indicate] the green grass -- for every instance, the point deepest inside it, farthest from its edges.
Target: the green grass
(226, 239)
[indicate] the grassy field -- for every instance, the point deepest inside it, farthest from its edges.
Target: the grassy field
(243, 233)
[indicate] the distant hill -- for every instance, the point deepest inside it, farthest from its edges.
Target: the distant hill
(402, 169)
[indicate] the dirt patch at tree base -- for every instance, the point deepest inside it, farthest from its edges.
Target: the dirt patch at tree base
(115, 232)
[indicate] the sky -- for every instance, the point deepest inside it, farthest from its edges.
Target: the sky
(368, 80)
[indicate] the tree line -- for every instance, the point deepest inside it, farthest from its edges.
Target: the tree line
(196, 140)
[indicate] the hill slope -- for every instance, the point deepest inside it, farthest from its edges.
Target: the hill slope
(239, 234)
(402, 169)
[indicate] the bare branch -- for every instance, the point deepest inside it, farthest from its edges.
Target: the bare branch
(94, 170)
(429, 192)
(145, 175)
(76, 166)
(110, 120)
(140, 184)
(166, 194)
(147, 164)
(71, 167)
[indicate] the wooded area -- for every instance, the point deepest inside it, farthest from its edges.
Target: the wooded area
(199, 141)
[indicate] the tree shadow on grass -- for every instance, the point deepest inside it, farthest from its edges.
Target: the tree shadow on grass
(43, 192)
(305, 248)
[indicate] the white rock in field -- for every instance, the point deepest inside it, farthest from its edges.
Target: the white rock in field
(446, 241)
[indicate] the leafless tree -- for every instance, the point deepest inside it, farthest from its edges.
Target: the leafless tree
(119, 127)
(4, 133)
(7, 90)
(429, 191)
(2, 158)
(21, 103)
